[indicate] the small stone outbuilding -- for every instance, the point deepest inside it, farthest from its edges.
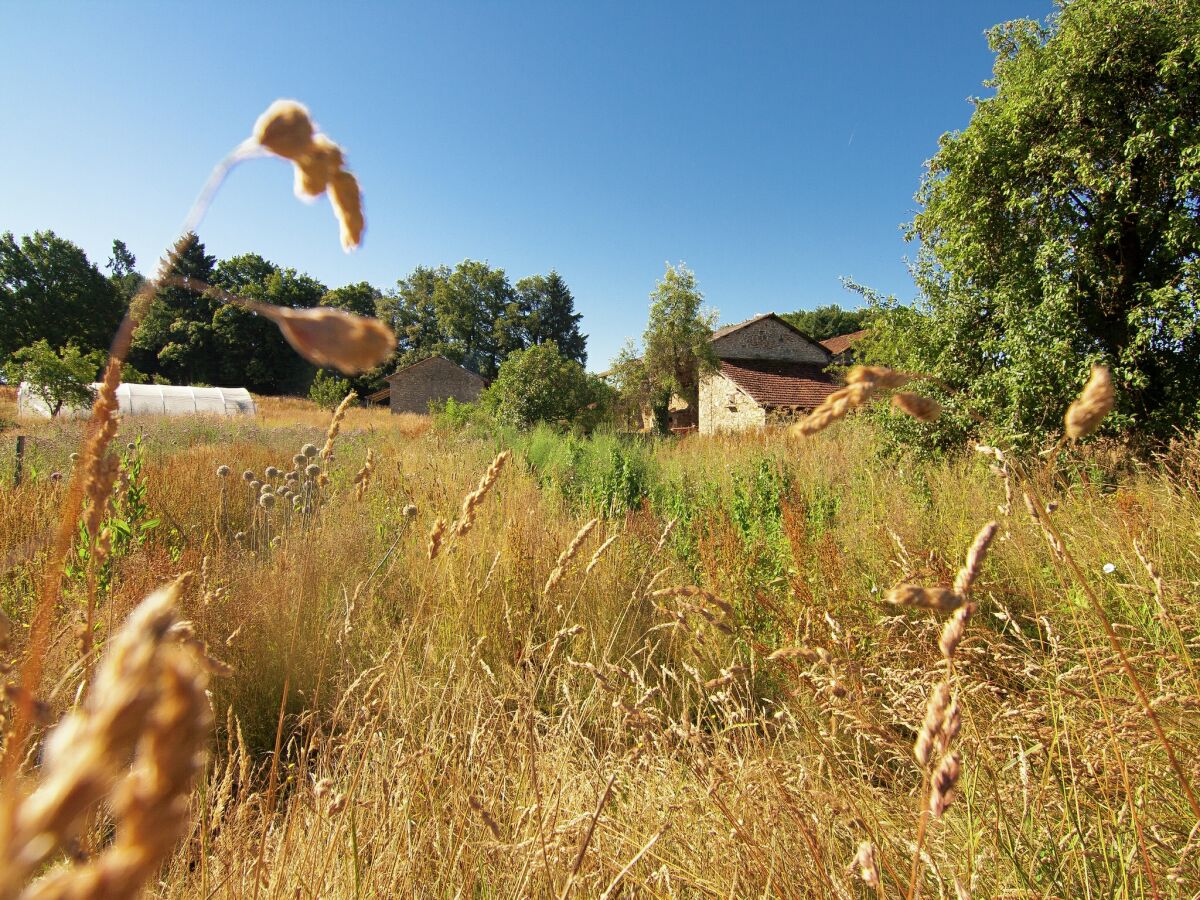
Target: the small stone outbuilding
(770, 373)
(433, 380)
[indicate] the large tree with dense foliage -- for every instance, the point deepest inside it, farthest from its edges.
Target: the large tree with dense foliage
(1061, 227)
(539, 384)
(175, 339)
(252, 351)
(675, 351)
(50, 291)
(549, 310)
(61, 377)
(472, 315)
(828, 321)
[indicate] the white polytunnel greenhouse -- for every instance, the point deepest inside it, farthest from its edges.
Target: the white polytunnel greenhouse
(152, 400)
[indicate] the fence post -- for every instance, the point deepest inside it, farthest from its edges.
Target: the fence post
(18, 459)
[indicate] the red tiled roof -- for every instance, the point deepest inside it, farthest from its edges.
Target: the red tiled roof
(776, 383)
(843, 342)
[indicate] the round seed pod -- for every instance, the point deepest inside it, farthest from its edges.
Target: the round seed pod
(248, 475)
(74, 457)
(272, 472)
(240, 536)
(222, 471)
(309, 450)
(409, 511)
(255, 485)
(299, 459)
(56, 476)
(265, 489)
(266, 501)
(290, 477)
(313, 470)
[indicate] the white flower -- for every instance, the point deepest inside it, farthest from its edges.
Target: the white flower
(1109, 568)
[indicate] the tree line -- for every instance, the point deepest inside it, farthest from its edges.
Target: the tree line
(53, 297)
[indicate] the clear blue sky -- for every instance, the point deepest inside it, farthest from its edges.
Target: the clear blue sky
(772, 146)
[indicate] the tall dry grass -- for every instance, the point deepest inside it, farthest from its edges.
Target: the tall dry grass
(450, 725)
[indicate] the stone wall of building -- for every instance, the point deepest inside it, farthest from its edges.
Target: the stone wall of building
(768, 339)
(432, 381)
(726, 407)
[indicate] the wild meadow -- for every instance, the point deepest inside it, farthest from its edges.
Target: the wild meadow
(532, 664)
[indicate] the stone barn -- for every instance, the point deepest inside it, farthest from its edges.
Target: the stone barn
(770, 373)
(433, 380)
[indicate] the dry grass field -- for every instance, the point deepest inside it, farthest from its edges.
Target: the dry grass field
(618, 668)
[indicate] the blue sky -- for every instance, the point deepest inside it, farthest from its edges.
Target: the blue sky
(772, 146)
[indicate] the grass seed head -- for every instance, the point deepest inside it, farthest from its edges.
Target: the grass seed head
(923, 409)
(1094, 403)
(937, 599)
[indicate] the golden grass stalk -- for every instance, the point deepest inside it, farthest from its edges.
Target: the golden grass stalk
(363, 478)
(923, 409)
(470, 504)
(595, 560)
(335, 425)
(1093, 404)
(864, 864)
(567, 555)
(286, 130)
(148, 702)
(937, 599)
(436, 534)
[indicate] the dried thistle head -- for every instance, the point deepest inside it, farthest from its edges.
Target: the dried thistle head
(1094, 403)
(923, 409)
(248, 476)
(222, 471)
(308, 451)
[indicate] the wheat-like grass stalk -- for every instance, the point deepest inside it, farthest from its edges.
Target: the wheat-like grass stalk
(148, 701)
(567, 555)
(470, 504)
(335, 425)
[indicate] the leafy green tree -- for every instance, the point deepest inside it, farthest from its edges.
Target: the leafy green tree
(59, 377)
(251, 351)
(50, 291)
(328, 389)
(540, 385)
(829, 321)
(124, 276)
(1061, 227)
(361, 298)
(549, 310)
(175, 339)
(411, 311)
(676, 342)
(479, 315)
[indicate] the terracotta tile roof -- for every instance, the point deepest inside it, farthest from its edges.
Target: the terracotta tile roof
(843, 342)
(776, 383)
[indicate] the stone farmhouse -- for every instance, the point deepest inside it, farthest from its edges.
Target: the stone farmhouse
(770, 372)
(433, 380)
